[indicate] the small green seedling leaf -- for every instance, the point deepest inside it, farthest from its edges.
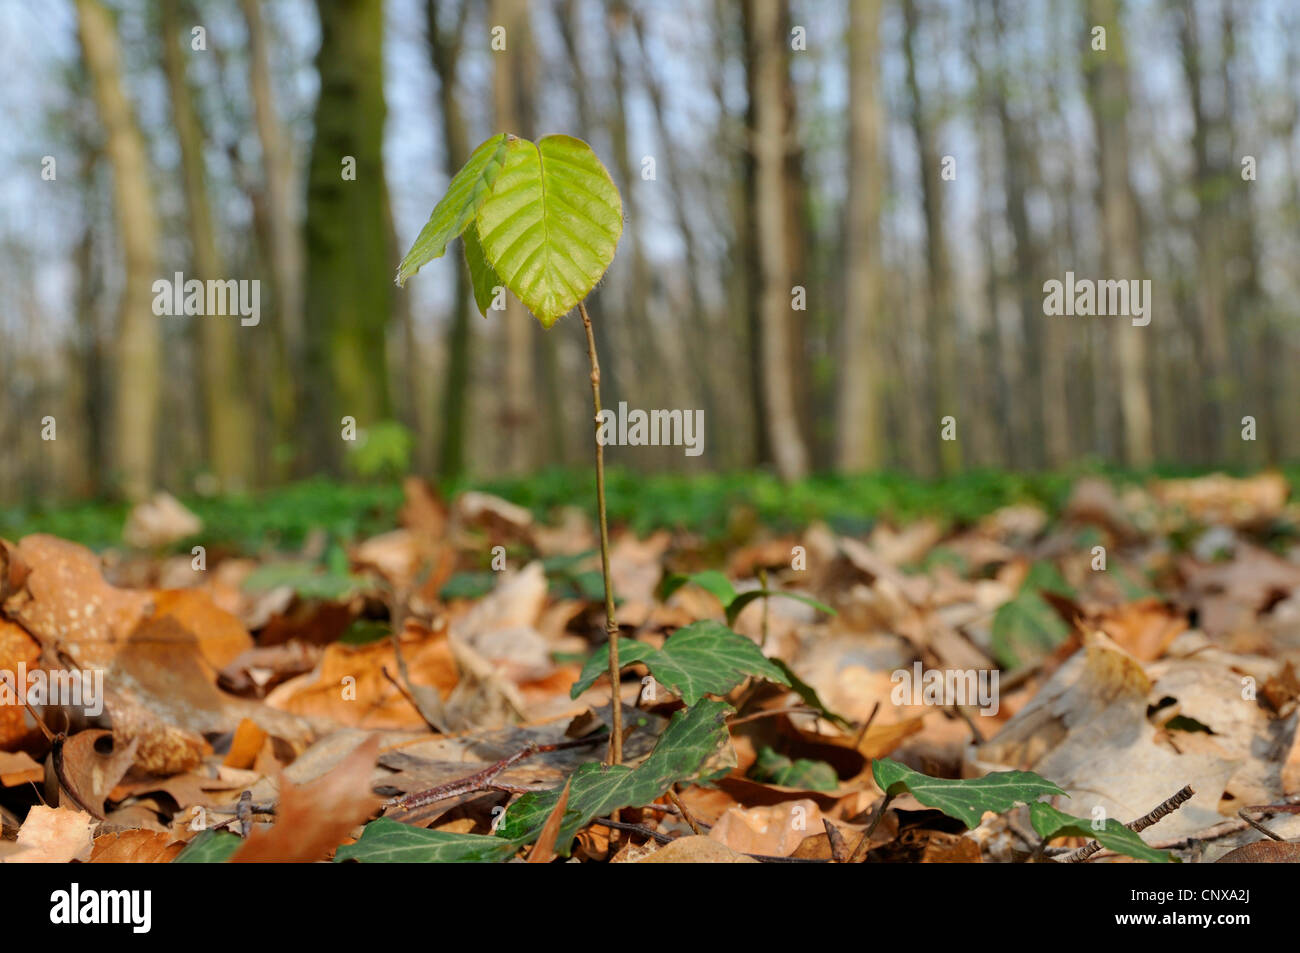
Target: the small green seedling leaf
(966, 800)
(1049, 822)
(694, 737)
(702, 658)
(1025, 626)
(465, 194)
(386, 841)
(745, 598)
(210, 847)
(551, 223)
(804, 773)
(710, 580)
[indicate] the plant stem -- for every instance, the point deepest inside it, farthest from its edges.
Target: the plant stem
(611, 621)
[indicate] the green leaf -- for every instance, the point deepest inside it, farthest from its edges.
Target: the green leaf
(745, 598)
(551, 223)
(464, 196)
(966, 800)
(1049, 823)
(710, 580)
(702, 658)
(305, 579)
(693, 737)
(482, 277)
(386, 841)
(1025, 627)
(801, 773)
(210, 847)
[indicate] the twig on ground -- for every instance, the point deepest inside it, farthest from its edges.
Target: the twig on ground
(864, 845)
(866, 725)
(1257, 825)
(687, 816)
(481, 780)
(1141, 824)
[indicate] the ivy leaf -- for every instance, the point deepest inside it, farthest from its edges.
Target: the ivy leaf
(702, 658)
(965, 800)
(210, 847)
(482, 277)
(1025, 625)
(386, 841)
(692, 739)
(465, 194)
(800, 773)
(551, 223)
(1049, 822)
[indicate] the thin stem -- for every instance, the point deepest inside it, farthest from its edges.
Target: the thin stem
(611, 621)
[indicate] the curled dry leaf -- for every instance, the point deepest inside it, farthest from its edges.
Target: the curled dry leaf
(54, 835)
(135, 847)
(313, 819)
(90, 764)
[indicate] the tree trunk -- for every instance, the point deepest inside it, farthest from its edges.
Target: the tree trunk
(518, 416)
(444, 49)
(284, 239)
(769, 143)
(348, 265)
(227, 414)
(138, 339)
(859, 445)
(1122, 252)
(940, 317)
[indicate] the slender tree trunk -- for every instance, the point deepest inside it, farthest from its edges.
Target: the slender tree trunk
(518, 402)
(444, 49)
(1211, 282)
(940, 316)
(284, 239)
(138, 333)
(1122, 251)
(859, 418)
(698, 328)
(348, 265)
(227, 414)
(769, 143)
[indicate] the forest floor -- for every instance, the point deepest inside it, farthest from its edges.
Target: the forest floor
(388, 673)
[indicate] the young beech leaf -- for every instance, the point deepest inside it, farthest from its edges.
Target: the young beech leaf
(745, 598)
(687, 749)
(710, 580)
(1049, 823)
(702, 658)
(965, 800)
(482, 278)
(465, 193)
(551, 223)
(386, 841)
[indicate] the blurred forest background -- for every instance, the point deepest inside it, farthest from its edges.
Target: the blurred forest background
(759, 146)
